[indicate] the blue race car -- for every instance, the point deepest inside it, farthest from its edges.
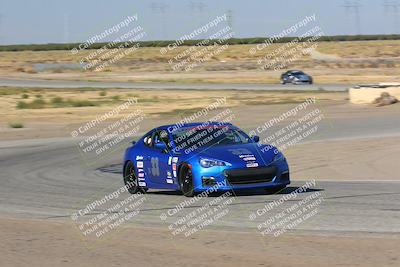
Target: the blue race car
(195, 157)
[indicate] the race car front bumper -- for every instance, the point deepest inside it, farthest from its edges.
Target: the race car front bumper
(244, 178)
(250, 175)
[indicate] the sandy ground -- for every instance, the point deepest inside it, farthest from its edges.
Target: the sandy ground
(47, 243)
(358, 226)
(368, 151)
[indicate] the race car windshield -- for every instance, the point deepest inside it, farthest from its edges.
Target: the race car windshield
(298, 73)
(196, 137)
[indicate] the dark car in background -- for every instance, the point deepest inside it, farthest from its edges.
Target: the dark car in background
(296, 77)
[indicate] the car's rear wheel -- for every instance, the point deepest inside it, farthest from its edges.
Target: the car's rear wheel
(130, 179)
(186, 181)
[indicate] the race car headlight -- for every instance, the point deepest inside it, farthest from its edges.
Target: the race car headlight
(207, 163)
(279, 157)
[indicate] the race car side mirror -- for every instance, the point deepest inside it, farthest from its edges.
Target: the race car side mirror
(161, 146)
(255, 138)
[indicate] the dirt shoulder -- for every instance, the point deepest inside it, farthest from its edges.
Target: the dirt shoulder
(47, 112)
(47, 243)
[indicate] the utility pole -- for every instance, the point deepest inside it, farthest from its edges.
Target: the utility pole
(392, 7)
(354, 8)
(229, 15)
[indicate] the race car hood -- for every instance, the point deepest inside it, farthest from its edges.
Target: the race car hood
(241, 155)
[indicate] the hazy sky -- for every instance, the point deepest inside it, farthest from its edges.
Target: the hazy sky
(55, 21)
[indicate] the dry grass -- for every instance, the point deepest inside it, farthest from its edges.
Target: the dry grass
(362, 49)
(358, 62)
(56, 105)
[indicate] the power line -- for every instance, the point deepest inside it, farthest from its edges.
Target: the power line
(197, 6)
(1, 24)
(229, 15)
(161, 8)
(66, 27)
(392, 7)
(354, 8)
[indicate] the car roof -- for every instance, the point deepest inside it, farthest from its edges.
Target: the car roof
(187, 125)
(193, 124)
(295, 71)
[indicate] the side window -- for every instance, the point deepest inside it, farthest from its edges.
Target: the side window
(161, 136)
(156, 138)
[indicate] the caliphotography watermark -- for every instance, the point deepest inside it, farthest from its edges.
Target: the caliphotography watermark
(280, 57)
(107, 131)
(291, 127)
(280, 216)
(204, 50)
(125, 41)
(195, 214)
(108, 213)
(107, 32)
(199, 115)
(202, 135)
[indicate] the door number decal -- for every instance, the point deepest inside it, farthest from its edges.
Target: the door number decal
(155, 166)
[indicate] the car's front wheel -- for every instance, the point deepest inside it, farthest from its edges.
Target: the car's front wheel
(186, 181)
(130, 179)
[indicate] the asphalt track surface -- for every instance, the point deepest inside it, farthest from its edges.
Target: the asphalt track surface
(168, 86)
(48, 179)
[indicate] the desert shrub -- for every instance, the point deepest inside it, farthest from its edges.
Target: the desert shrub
(116, 97)
(16, 125)
(35, 104)
(82, 103)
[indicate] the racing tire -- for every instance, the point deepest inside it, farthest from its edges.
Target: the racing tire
(143, 189)
(186, 181)
(130, 179)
